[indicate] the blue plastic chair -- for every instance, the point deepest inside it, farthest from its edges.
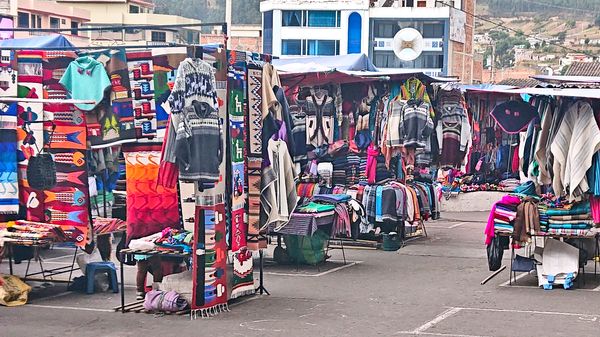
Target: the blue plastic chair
(94, 267)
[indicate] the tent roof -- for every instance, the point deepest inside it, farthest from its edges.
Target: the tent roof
(342, 69)
(356, 62)
(47, 41)
(568, 92)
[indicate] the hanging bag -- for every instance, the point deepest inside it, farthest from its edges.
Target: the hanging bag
(495, 252)
(41, 169)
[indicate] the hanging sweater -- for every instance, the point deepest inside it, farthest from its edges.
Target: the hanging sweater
(199, 149)
(416, 125)
(195, 82)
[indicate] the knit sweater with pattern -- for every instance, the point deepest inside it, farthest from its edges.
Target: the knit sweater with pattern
(195, 82)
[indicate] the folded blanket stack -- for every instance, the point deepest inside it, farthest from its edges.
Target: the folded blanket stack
(569, 219)
(504, 215)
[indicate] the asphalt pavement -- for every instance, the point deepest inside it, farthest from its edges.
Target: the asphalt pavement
(430, 287)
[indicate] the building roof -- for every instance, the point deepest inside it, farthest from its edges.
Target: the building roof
(584, 69)
(520, 82)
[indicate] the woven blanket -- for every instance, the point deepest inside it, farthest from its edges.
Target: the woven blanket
(113, 122)
(150, 207)
(209, 269)
(8, 74)
(9, 187)
(141, 77)
(30, 86)
(165, 62)
(256, 240)
(66, 204)
(255, 111)
(242, 281)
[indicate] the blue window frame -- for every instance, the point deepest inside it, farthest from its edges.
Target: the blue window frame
(291, 47)
(354, 33)
(323, 18)
(322, 47)
(291, 19)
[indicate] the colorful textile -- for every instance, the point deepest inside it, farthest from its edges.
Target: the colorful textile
(256, 241)
(150, 207)
(141, 77)
(30, 136)
(114, 124)
(8, 74)
(255, 111)
(9, 187)
(210, 280)
(242, 281)
(165, 62)
(66, 204)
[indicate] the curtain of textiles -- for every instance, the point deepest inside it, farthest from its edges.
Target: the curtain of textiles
(254, 158)
(209, 269)
(30, 136)
(242, 281)
(141, 77)
(112, 122)
(165, 62)
(66, 203)
(150, 207)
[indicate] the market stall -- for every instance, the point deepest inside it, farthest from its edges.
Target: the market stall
(353, 130)
(554, 212)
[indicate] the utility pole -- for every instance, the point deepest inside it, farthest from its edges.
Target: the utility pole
(493, 66)
(228, 19)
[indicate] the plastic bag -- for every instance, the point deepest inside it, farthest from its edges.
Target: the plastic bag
(495, 252)
(84, 259)
(13, 291)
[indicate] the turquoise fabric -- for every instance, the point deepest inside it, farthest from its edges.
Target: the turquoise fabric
(86, 79)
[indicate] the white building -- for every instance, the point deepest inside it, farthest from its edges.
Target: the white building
(330, 27)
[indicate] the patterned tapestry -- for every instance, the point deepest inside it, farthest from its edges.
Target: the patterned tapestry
(209, 273)
(66, 204)
(9, 187)
(141, 77)
(30, 129)
(8, 73)
(165, 61)
(112, 122)
(255, 111)
(150, 206)
(242, 281)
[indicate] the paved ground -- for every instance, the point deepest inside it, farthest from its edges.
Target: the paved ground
(430, 287)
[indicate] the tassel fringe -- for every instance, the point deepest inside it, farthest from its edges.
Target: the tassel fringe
(209, 312)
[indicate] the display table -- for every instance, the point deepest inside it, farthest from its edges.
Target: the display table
(594, 236)
(131, 252)
(37, 245)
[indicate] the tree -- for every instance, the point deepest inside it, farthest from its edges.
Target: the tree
(597, 21)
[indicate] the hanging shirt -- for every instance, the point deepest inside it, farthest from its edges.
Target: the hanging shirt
(86, 79)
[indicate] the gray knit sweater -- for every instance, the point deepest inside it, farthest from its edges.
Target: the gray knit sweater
(199, 147)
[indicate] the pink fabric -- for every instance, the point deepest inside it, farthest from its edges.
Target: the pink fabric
(372, 153)
(489, 229)
(168, 172)
(595, 205)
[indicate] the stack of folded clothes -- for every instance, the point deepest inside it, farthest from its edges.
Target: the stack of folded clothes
(504, 215)
(363, 168)
(573, 219)
(340, 164)
(353, 169)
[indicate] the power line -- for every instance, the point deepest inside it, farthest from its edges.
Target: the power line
(515, 31)
(557, 6)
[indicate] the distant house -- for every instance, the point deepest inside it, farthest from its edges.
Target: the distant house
(583, 69)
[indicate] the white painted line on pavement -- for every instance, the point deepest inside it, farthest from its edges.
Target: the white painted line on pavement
(516, 311)
(458, 225)
(596, 289)
(67, 308)
(444, 334)
(333, 270)
(520, 276)
(446, 314)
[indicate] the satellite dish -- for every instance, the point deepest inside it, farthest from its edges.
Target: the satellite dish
(408, 44)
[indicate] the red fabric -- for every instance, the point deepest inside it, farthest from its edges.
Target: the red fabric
(168, 173)
(372, 153)
(595, 205)
(515, 160)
